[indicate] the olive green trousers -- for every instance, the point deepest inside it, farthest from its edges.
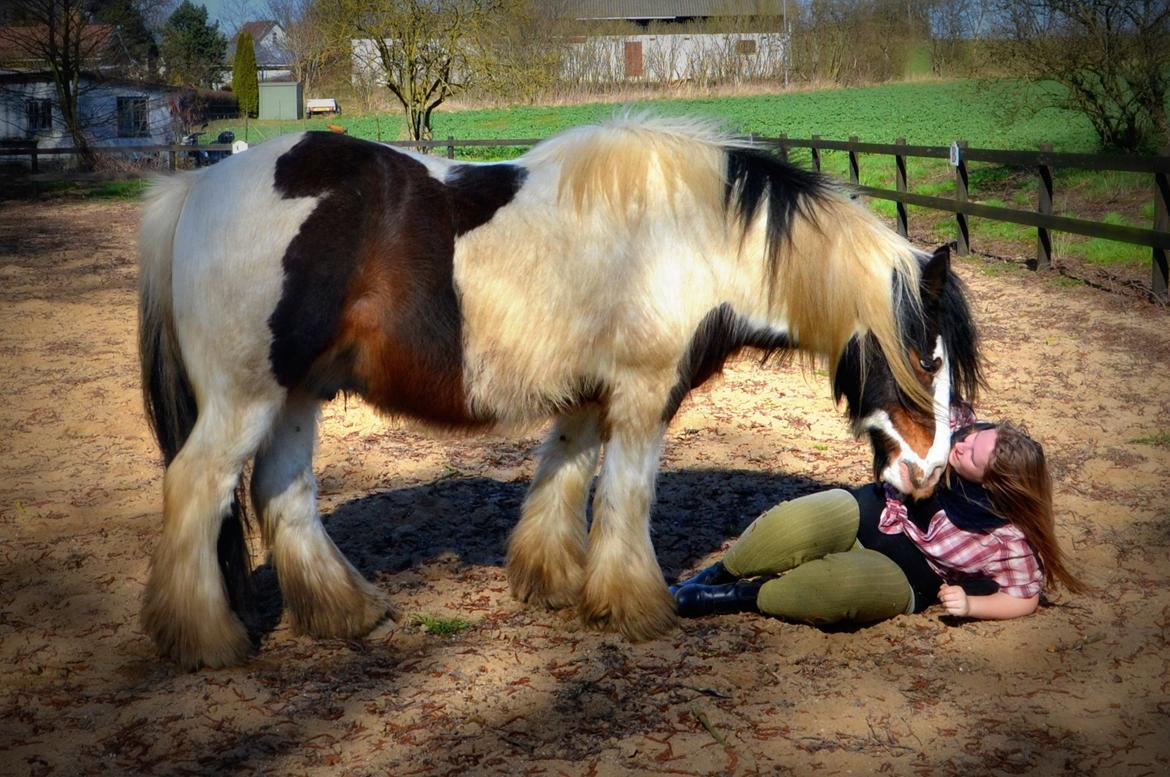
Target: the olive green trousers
(825, 575)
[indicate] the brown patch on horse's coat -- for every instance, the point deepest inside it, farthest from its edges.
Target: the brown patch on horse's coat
(916, 436)
(368, 302)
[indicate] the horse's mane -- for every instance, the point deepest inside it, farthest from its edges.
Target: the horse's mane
(620, 162)
(831, 264)
(961, 338)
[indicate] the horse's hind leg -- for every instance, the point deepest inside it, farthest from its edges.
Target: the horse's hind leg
(546, 552)
(325, 595)
(186, 609)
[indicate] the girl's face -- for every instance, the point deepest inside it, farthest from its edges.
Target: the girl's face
(971, 455)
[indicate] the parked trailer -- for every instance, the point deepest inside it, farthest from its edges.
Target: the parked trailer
(315, 105)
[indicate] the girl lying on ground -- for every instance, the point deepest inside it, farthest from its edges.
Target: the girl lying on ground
(983, 546)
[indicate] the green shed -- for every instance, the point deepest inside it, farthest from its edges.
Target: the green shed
(281, 100)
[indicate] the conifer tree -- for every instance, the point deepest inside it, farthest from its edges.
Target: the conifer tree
(245, 84)
(193, 50)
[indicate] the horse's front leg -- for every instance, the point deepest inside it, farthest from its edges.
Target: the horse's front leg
(546, 552)
(624, 587)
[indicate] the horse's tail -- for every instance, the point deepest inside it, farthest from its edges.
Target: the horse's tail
(169, 399)
(167, 394)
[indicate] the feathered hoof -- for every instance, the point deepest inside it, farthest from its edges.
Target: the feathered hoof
(552, 586)
(345, 610)
(639, 613)
(193, 643)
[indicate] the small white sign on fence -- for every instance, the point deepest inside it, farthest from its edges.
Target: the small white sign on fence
(239, 145)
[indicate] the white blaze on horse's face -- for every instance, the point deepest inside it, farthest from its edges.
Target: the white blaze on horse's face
(908, 471)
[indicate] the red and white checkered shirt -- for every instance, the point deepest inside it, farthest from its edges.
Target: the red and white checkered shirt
(1003, 554)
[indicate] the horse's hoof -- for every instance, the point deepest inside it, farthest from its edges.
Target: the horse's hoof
(349, 612)
(637, 619)
(553, 588)
(211, 643)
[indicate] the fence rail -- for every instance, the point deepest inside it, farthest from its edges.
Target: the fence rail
(1043, 162)
(959, 154)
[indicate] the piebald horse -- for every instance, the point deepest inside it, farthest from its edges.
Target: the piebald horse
(595, 280)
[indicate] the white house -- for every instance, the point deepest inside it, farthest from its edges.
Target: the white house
(664, 41)
(674, 57)
(273, 60)
(752, 44)
(113, 112)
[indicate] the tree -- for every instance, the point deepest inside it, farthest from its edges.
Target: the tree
(857, 41)
(193, 51)
(245, 84)
(424, 51)
(134, 43)
(59, 36)
(1112, 58)
(309, 39)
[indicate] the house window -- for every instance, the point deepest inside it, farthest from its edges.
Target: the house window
(745, 48)
(132, 117)
(40, 115)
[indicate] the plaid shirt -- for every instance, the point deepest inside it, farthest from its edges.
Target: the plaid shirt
(1003, 554)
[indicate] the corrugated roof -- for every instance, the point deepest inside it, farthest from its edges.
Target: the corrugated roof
(668, 9)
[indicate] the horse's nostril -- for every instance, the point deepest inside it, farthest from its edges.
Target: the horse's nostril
(916, 474)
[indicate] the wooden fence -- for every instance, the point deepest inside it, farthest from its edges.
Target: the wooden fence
(173, 153)
(1042, 218)
(959, 154)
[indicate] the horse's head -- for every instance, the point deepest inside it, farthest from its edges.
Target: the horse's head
(911, 441)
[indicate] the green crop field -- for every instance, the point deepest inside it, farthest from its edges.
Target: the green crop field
(923, 113)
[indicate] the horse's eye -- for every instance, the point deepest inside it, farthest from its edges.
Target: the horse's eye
(930, 365)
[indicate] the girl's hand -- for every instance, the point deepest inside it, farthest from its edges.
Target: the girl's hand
(996, 606)
(955, 600)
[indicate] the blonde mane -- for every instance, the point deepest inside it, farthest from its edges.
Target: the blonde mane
(622, 162)
(840, 267)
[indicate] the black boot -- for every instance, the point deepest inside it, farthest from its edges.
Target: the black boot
(712, 575)
(695, 600)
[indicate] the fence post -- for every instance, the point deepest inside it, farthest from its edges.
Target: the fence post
(450, 146)
(1162, 224)
(33, 164)
(854, 169)
(962, 230)
(783, 146)
(1044, 206)
(171, 161)
(900, 185)
(816, 153)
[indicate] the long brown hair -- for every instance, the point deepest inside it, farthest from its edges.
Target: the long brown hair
(1020, 487)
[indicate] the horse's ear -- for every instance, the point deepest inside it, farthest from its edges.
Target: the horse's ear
(935, 273)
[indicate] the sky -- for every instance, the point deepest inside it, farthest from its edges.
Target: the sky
(230, 13)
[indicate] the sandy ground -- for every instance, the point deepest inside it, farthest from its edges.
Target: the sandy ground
(1082, 687)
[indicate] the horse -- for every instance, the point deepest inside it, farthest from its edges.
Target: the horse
(595, 280)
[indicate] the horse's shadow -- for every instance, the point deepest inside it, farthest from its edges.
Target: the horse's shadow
(466, 521)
